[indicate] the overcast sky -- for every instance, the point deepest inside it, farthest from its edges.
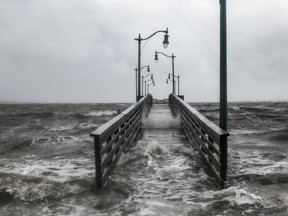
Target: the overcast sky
(84, 50)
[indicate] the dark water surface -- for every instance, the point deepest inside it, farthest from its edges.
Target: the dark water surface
(47, 165)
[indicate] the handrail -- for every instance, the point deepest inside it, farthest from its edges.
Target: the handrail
(115, 136)
(208, 138)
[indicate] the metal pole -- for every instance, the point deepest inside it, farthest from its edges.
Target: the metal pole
(139, 68)
(223, 66)
(178, 85)
(142, 85)
(173, 81)
(145, 87)
(136, 82)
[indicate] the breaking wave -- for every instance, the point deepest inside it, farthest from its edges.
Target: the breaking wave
(47, 164)
(101, 113)
(31, 188)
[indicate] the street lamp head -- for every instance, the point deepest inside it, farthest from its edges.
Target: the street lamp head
(148, 69)
(166, 41)
(156, 57)
(167, 81)
(152, 76)
(169, 76)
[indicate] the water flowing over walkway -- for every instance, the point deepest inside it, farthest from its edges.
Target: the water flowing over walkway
(162, 126)
(162, 171)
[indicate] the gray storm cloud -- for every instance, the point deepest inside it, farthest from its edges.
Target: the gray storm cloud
(84, 51)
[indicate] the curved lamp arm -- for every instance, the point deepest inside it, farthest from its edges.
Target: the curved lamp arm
(156, 55)
(149, 75)
(165, 41)
(164, 31)
(148, 68)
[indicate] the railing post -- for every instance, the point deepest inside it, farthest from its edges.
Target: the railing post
(98, 161)
(223, 160)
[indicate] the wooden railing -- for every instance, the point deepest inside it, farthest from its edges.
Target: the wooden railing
(114, 137)
(209, 139)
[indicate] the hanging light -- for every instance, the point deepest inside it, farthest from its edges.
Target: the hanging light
(148, 69)
(156, 57)
(166, 41)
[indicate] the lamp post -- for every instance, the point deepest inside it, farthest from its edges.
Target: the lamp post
(223, 65)
(169, 79)
(149, 85)
(156, 60)
(223, 87)
(136, 82)
(151, 78)
(142, 86)
(148, 70)
(139, 39)
(178, 77)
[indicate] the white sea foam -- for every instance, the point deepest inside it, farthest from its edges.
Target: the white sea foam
(31, 188)
(234, 195)
(62, 127)
(278, 201)
(241, 196)
(61, 139)
(154, 150)
(60, 170)
(146, 212)
(88, 126)
(101, 113)
(245, 131)
(258, 165)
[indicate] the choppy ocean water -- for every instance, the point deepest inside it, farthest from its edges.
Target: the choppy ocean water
(47, 165)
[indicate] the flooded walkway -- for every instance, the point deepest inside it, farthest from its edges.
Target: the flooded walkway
(162, 127)
(162, 171)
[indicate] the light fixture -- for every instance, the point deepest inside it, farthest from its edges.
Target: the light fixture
(148, 69)
(156, 57)
(166, 42)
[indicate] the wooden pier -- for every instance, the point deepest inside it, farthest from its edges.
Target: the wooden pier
(114, 137)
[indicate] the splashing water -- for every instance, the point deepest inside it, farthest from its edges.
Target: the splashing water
(47, 164)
